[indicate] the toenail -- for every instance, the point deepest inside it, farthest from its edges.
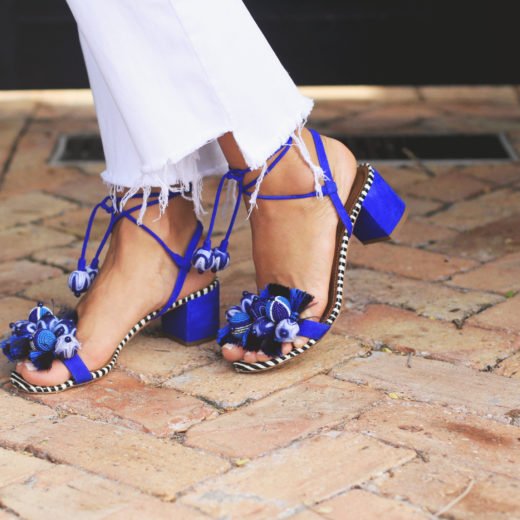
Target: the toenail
(29, 366)
(229, 346)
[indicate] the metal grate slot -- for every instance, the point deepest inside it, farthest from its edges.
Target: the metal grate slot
(74, 148)
(447, 147)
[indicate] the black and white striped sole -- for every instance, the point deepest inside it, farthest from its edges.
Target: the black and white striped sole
(262, 366)
(20, 383)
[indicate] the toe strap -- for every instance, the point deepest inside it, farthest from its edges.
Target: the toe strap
(313, 329)
(79, 371)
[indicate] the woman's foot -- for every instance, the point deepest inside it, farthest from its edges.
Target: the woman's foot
(294, 241)
(136, 278)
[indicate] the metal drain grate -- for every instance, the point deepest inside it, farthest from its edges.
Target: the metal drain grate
(74, 148)
(447, 147)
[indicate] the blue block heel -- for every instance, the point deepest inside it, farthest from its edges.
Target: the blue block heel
(264, 321)
(194, 322)
(381, 213)
(43, 337)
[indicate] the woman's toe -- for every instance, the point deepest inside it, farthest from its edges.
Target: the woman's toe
(300, 341)
(262, 356)
(232, 352)
(57, 374)
(286, 348)
(250, 357)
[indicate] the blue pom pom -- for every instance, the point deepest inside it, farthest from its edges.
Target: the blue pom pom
(64, 327)
(67, 346)
(257, 309)
(16, 348)
(221, 260)
(41, 360)
(38, 312)
(49, 321)
(247, 300)
(286, 331)
(79, 281)
(232, 311)
(203, 259)
(278, 309)
(239, 319)
(23, 328)
(263, 327)
(44, 340)
(240, 323)
(92, 272)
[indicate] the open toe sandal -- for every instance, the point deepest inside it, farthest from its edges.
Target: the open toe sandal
(263, 322)
(44, 337)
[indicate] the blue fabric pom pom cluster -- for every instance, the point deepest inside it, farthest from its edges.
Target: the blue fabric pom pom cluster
(210, 259)
(42, 338)
(81, 280)
(263, 322)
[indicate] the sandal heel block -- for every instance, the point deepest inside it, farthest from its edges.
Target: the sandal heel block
(381, 213)
(195, 322)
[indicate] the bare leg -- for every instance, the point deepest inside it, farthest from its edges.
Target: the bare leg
(136, 278)
(294, 241)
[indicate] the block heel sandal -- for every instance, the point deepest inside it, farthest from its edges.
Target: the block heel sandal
(44, 337)
(265, 321)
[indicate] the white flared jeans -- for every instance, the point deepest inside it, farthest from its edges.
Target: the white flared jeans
(171, 76)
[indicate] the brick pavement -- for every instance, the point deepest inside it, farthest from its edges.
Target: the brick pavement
(409, 410)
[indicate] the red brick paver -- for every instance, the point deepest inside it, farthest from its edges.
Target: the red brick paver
(403, 331)
(502, 276)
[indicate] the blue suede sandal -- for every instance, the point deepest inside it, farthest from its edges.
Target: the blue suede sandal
(267, 320)
(44, 337)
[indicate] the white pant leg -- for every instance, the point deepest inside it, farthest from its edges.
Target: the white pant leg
(123, 162)
(171, 76)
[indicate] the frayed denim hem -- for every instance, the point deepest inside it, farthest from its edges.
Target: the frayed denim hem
(186, 178)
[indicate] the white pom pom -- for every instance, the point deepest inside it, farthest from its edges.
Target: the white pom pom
(67, 346)
(79, 281)
(286, 330)
(203, 260)
(92, 273)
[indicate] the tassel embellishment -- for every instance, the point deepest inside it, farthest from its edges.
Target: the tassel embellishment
(42, 338)
(265, 321)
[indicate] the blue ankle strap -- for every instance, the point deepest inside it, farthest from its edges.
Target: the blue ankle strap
(216, 259)
(81, 279)
(330, 188)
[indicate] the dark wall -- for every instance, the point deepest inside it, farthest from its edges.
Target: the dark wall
(319, 41)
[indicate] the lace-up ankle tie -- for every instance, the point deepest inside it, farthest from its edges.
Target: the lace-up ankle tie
(208, 258)
(83, 277)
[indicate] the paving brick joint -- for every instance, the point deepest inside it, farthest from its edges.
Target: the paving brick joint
(410, 409)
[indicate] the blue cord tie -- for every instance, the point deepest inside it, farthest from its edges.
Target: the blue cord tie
(208, 258)
(83, 277)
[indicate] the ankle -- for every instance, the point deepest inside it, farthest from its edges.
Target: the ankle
(176, 224)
